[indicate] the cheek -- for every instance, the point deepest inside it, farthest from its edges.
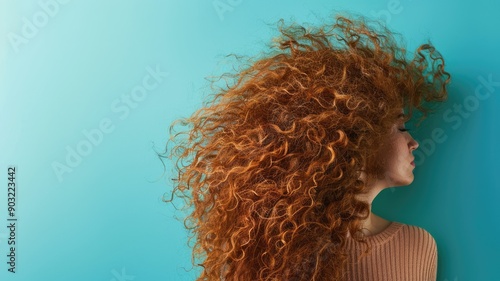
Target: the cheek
(392, 152)
(384, 159)
(390, 158)
(388, 150)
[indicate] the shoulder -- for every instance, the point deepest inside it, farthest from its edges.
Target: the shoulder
(418, 233)
(418, 237)
(423, 247)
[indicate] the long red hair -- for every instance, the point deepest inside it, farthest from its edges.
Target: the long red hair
(269, 168)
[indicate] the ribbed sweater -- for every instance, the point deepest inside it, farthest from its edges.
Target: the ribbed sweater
(399, 253)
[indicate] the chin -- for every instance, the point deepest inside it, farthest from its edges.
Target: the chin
(408, 182)
(404, 182)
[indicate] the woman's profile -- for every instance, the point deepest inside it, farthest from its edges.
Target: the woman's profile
(279, 170)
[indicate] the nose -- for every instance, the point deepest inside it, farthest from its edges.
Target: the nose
(413, 144)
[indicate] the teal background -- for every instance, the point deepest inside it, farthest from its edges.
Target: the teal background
(105, 220)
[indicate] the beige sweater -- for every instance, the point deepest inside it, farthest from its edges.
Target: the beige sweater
(399, 253)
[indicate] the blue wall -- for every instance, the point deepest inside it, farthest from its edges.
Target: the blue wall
(88, 89)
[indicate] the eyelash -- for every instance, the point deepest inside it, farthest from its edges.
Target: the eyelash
(404, 130)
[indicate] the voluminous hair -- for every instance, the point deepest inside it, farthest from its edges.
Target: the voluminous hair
(270, 165)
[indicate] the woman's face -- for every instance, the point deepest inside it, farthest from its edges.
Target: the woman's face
(396, 158)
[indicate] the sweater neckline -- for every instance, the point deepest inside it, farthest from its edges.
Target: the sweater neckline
(383, 236)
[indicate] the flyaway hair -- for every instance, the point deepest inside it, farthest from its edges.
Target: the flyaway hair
(269, 168)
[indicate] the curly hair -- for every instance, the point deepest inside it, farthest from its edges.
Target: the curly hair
(271, 164)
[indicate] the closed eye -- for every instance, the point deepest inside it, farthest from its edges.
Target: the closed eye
(404, 130)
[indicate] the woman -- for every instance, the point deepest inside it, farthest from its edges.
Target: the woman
(284, 162)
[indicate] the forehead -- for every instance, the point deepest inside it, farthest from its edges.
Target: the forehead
(400, 118)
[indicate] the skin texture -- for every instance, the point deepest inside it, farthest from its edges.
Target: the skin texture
(395, 159)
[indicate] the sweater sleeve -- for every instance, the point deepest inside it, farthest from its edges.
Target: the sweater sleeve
(433, 261)
(401, 252)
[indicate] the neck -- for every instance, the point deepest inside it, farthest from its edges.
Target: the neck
(373, 224)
